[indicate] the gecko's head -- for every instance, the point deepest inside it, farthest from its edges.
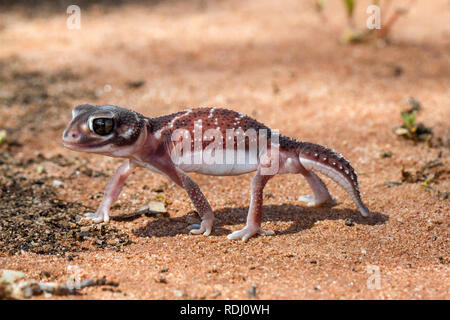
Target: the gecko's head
(106, 129)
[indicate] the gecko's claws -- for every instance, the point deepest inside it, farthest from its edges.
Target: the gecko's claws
(248, 232)
(205, 227)
(312, 201)
(96, 217)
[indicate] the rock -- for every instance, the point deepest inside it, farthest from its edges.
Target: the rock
(215, 294)
(156, 209)
(179, 293)
(157, 206)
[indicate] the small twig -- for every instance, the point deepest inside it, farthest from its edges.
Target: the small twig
(70, 288)
(383, 32)
(27, 289)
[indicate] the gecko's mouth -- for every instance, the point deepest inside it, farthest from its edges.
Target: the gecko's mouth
(73, 146)
(103, 148)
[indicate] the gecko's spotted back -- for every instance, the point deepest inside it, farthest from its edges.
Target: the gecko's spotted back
(210, 118)
(219, 119)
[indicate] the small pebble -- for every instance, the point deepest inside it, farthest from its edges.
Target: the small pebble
(157, 206)
(215, 294)
(57, 183)
(179, 293)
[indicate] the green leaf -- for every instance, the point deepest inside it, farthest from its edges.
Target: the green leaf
(2, 136)
(320, 4)
(350, 6)
(409, 119)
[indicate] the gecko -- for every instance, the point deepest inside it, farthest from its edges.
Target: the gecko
(172, 145)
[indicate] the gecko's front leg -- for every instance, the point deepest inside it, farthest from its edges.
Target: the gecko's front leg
(200, 203)
(112, 192)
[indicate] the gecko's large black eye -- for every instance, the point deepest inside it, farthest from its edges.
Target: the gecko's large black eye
(103, 126)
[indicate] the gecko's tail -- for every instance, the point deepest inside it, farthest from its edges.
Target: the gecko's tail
(334, 165)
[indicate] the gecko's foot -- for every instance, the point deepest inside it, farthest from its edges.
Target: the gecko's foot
(312, 201)
(205, 227)
(249, 231)
(96, 217)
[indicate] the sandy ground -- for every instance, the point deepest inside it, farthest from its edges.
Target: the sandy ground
(283, 66)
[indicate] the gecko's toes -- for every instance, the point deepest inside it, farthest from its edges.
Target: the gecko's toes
(248, 232)
(95, 217)
(312, 201)
(193, 226)
(205, 227)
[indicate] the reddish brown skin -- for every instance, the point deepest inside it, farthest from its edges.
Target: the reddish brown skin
(148, 142)
(226, 120)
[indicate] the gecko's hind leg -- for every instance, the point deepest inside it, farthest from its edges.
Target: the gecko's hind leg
(321, 194)
(253, 225)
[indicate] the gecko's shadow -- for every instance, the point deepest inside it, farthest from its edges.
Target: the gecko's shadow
(302, 217)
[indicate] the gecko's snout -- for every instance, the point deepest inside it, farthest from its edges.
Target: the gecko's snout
(71, 137)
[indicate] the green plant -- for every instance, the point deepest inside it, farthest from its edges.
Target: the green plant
(409, 119)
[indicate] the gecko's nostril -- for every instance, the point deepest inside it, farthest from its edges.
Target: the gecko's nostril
(74, 136)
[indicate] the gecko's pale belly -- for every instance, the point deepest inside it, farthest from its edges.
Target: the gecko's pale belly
(200, 162)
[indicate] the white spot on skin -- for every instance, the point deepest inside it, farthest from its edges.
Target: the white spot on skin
(84, 127)
(171, 123)
(127, 133)
(211, 111)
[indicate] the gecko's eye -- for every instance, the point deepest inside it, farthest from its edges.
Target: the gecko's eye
(103, 126)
